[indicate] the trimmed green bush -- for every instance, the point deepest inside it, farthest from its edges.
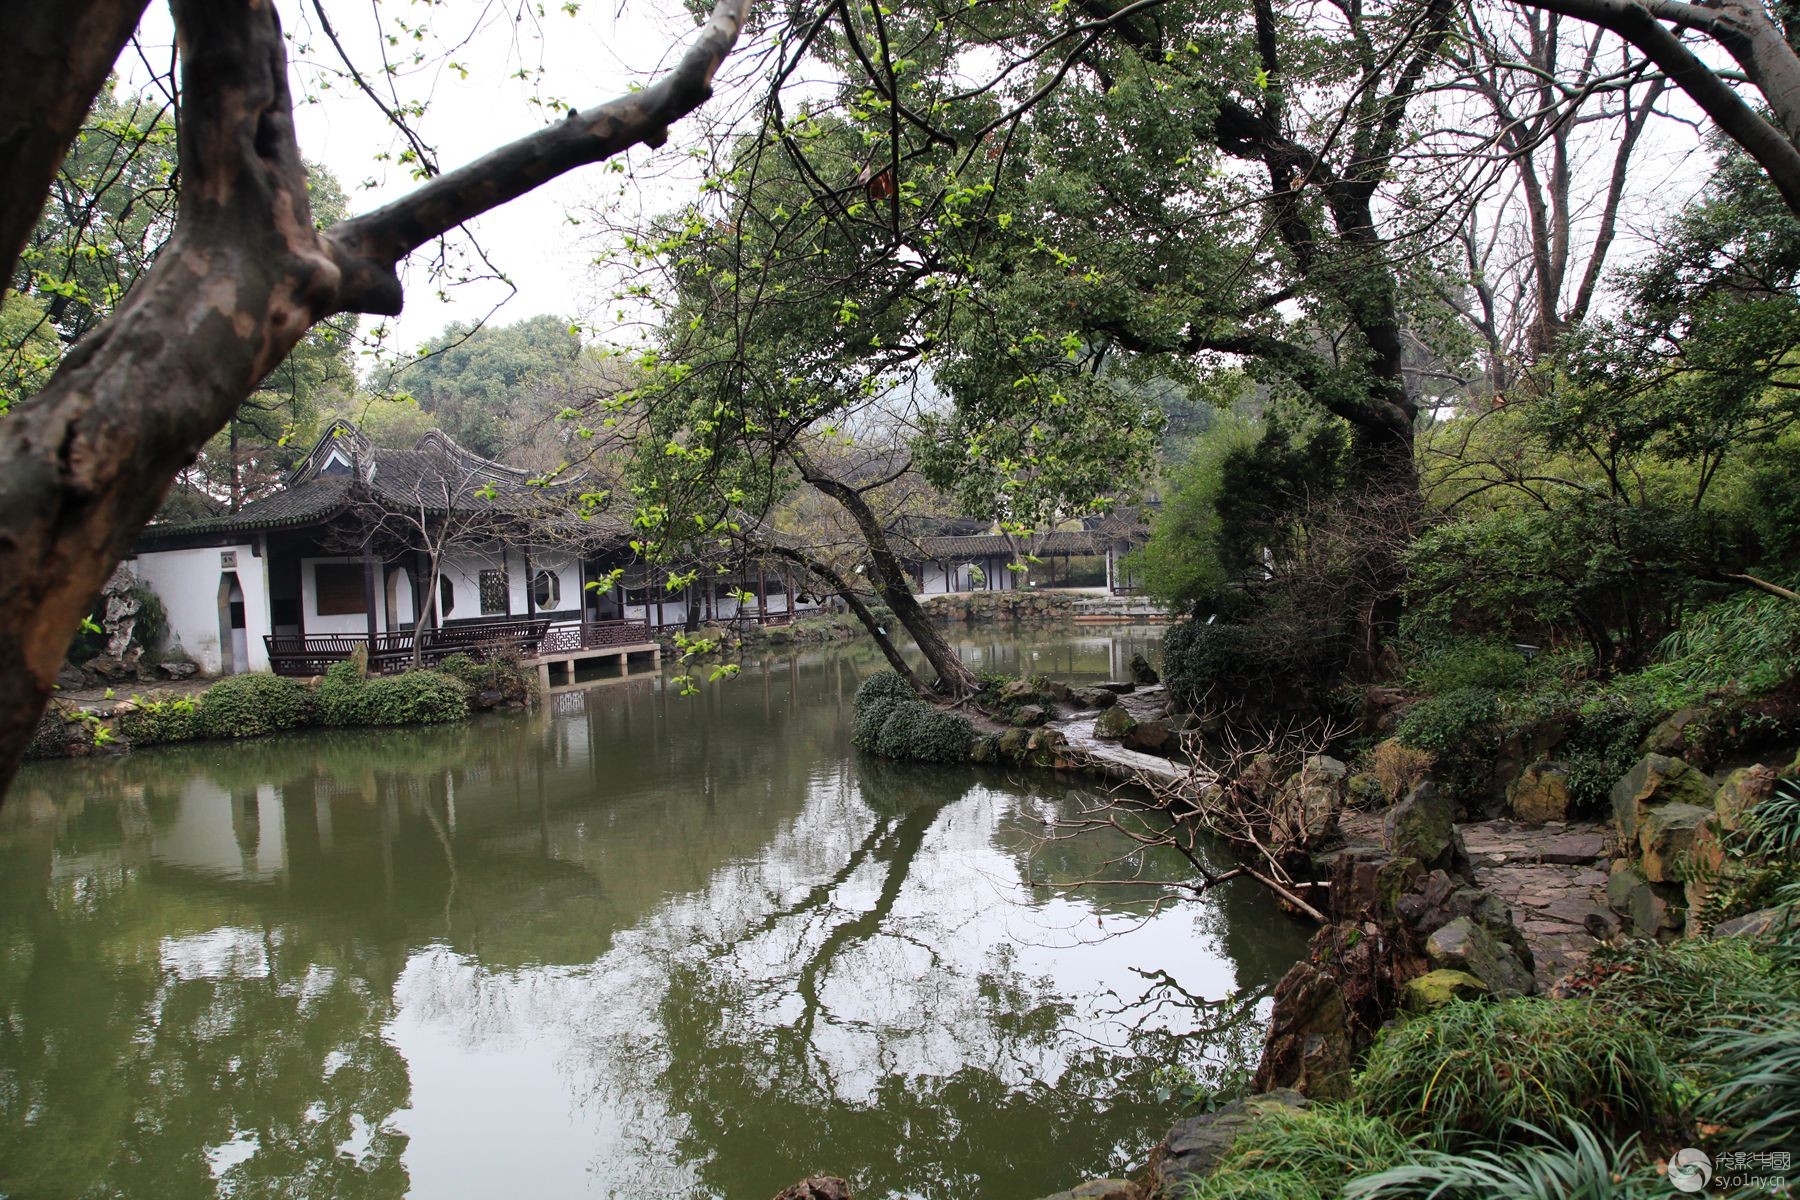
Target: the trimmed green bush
(415, 698)
(890, 720)
(1198, 657)
(154, 721)
(251, 705)
(1479, 1068)
(875, 701)
(339, 694)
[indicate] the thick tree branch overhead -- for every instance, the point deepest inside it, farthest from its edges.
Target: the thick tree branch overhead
(1747, 32)
(54, 58)
(85, 462)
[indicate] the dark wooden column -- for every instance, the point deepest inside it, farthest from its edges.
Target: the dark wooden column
(762, 592)
(369, 598)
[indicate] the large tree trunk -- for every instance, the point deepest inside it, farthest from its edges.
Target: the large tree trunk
(954, 679)
(850, 596)
(86, 462)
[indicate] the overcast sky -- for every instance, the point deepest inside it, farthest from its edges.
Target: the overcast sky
(585, 57)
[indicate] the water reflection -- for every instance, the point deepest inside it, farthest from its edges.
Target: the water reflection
(628, 945)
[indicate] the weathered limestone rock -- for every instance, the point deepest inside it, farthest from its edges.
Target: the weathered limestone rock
(1101, 1189)
(1656, 910)
(1422, 826)
(1055, 690)
(1309, 804)
(1142, 673)
(1363, 790)
(1028, 715)
(1017, 691)
(1151, 737)
(1463, 945)
(1742, 791)
(177, 669)
(1093, 697)
(1013, 743)
(1114, 724)
(1194, 1147)
(1666, 838)
(816, 1187)
(122, 608)
(1621, 883)
(1524, 745)
(111, 669)
(69, 677)
(1656, 780)
(1121, 687)
(1756, 924)
(1308, 1044)
(1540, 793)
(1434, 989)
(1670, 735)
(984, 749)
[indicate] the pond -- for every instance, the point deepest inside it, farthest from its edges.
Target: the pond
(628, 944)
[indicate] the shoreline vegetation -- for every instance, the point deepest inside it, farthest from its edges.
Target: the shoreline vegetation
(255, 704)
(1432, 1042)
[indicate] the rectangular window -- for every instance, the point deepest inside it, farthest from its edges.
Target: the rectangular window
(494, 593)
(339, 587)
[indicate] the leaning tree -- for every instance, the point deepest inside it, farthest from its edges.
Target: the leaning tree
(244, 276)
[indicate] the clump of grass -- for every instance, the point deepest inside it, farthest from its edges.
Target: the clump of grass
(1683, 988)
(1754, 1049)
(1478, 1069)
(1577, 1165)
(1305, 1154)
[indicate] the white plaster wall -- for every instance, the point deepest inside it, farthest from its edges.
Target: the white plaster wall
(463, 569)
(567, 569)
(187, 581)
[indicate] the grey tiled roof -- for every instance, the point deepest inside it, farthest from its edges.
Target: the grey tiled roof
(977, 545)
(436, 472)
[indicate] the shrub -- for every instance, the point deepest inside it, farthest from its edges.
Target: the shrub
(893, 722)
(1198, 658)
(175, 719)
(1478, 1068)
(249, 705)
(875, 701)
(1472, 664)
(339, 693)
(1399, 768)
(1460, 730)
(415, 698)
(895, 739)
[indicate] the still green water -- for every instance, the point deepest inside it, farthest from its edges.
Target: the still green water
(628, 944)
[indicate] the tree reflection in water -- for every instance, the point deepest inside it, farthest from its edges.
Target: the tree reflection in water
(625, 945)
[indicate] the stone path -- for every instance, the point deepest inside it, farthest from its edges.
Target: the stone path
(1551, 876)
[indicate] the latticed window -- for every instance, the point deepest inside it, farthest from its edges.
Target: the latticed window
(493, 592)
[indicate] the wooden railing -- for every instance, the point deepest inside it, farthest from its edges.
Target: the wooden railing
(313, 653)
(592, 635)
